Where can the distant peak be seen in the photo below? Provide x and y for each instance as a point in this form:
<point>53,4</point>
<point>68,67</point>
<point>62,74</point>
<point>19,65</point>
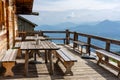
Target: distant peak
<point>106,21</point>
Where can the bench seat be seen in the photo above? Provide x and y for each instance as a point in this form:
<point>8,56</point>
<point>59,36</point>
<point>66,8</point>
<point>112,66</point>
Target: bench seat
<point>103,53</point>
<point>80,43</point>
<point>66,59</point>
<point>8,61</point>
<point>17,46</point>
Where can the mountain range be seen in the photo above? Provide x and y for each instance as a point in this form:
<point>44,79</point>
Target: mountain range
<point>104,28</point>
<point>61,26</point>
<point>106,24</point>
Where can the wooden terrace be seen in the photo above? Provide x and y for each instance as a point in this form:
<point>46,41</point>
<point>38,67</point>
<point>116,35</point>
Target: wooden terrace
<point>83,69</point>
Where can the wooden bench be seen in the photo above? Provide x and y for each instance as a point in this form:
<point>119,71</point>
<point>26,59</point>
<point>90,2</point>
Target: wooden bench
<point>82,44</point>
<point>17,46</point>
<point>8,60</point>
<point>66,59</point>
<point>102,53</point>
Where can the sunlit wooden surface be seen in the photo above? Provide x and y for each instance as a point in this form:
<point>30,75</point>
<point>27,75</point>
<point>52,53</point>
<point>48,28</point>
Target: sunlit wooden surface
<point>84,69</point>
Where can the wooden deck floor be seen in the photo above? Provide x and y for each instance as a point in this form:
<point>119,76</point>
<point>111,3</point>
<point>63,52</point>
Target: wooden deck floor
<point>84,69</point>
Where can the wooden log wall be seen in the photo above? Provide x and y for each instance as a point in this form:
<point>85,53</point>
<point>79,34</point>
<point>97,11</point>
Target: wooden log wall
<point>9,24</point>
<point>3,31</point>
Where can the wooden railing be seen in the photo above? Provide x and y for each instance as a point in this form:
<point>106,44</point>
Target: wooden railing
<point>70,36</point>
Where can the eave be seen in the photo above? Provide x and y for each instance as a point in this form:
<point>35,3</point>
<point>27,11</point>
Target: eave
<point>24,6</point>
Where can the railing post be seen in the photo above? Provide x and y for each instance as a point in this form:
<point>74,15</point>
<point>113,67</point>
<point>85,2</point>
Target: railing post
<point>67,37</point>
<point>75,39</point>
<point>41,33</point>
<point>107,49</point>
<point>88,47</point>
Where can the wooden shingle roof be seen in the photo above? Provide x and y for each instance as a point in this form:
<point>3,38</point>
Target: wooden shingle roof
<point>24,6</point>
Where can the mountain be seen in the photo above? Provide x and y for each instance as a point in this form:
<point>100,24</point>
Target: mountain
<point>61,26</point>
<point>105,25</point>
<point>66,25</point>
<point>104,28</point>
<point>108,23</point>
<point>45,27</point>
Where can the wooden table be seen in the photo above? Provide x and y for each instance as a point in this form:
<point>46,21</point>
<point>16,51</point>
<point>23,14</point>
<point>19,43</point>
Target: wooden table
<point>32,38</point>
<point>18,39</point>
<point>43,45</point>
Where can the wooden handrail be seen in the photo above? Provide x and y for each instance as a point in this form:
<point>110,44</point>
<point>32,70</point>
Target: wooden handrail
<point>75,37</point>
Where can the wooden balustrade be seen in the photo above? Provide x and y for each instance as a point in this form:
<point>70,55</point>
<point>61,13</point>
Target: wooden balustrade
<point>67,38</point>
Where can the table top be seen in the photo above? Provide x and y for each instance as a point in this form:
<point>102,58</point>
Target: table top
<point>32,38</point>
<point>42,45</point>
<point>18,38</point>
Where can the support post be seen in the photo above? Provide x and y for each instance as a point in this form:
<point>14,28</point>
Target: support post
<point>67,37</point>
<point>107,49</point>
<point>75,39</point>
<point>7,22</point>
<point>88,47</point>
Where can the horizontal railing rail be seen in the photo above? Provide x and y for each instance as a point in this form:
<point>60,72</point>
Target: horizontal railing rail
<point>70,36</point>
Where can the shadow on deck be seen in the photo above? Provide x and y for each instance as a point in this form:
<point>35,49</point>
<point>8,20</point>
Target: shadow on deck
<point>84,69</point>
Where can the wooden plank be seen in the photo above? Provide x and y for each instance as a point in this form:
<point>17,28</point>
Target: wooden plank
<point>18,39</point>
<point>10,55</point>
<point>44,44</point>
<point>2,53</point>
<point>7,55</point>
<point>80,43</point>
<point>13,55</point>
<point>111,55</point>
<point>68,55</point>
<point>39,46</point>
<point>50,44</point>
<point>61,54</point>
<point>17,45</point>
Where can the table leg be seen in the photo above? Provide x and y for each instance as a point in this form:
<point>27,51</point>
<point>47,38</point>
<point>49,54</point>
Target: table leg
<point>35,55</point>
<point>81,49</point>
<point>26,62</point>
<point>46,56</point>
<point>51,63</point>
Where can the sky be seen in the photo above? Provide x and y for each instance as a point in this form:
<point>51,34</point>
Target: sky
<point>76,11</point>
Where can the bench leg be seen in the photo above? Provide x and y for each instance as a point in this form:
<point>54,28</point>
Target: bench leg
<point>100,56</point>
<point>119,67</point>
<point>57,60</point>
<point>68,66</point>
<point>81,50</point>
<point>50,58</point>
<point>8,66</point>
<point>19,53</point>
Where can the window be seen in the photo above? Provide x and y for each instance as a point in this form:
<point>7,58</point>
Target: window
<point>2,27</point>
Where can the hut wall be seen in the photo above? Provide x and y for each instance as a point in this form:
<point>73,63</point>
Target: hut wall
<point>8,24</point>
<point>3,31</point>
<point>24,25</point>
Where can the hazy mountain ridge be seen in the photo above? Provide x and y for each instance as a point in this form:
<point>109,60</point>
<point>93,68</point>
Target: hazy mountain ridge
<point>104,28</point>
<point>61,26</point>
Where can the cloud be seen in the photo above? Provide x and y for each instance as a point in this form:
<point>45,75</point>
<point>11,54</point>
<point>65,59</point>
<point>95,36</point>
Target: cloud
<point>70,16</point>
<point>77,11</point>
<point>61,5</point>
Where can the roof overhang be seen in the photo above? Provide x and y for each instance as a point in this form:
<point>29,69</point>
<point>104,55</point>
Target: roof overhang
<point>26,20</point>
<point>24,6</point>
